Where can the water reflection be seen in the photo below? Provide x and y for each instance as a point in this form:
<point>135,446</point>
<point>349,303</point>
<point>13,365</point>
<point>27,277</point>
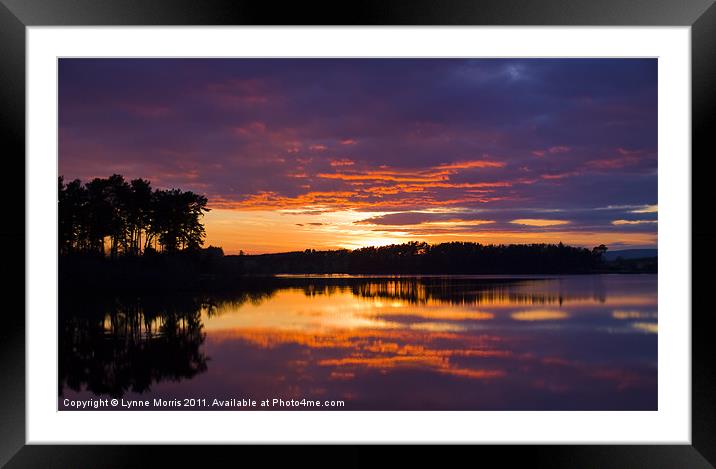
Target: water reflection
<point>586,342</point>
<point>127,345</point>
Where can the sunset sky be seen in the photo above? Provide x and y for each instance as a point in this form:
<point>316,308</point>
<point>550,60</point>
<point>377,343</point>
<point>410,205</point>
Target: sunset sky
<point>329,153</point>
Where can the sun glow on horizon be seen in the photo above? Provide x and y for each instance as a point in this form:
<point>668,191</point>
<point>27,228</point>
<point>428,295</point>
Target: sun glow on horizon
<point>263,232</point>
<point>373,242</point>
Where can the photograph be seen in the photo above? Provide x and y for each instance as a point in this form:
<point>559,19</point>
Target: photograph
<point>357,234</point>
<point>474,227</point>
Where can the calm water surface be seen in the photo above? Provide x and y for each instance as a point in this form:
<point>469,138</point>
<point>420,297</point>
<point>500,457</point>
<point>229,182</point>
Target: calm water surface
<point>418,343</point>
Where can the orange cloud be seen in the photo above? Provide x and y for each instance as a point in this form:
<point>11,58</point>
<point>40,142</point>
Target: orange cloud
<point>472,164</point>
<point>633,222</point>
<point>560,175</point>
<point>539,315</point>
<point>397,176</point>
<point>438,173</point>
<point>646,209</point>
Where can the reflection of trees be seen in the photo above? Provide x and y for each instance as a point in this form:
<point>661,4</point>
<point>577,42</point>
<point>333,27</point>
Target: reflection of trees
<point>235,300</point>
<point>112,347</point>
<point>116,345</point>
<point>454,291</point>
<point>421,292</point>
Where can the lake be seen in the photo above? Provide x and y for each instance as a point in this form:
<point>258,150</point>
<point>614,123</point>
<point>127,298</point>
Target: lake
<point>370,343</point>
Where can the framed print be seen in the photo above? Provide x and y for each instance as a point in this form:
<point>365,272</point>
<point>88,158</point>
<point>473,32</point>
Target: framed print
<point>416,224</point>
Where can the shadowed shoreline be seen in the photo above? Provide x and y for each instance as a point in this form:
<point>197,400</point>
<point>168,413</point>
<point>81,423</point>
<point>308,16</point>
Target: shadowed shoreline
<point>208,269</point>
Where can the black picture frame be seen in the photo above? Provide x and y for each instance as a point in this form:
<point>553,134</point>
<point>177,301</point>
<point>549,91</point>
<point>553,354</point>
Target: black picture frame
<point>16,15</point>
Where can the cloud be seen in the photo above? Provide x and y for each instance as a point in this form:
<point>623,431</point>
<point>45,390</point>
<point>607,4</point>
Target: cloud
<point>238,130</point>
<point>560,175</point>
<point>342,162</point>
<point>646,209</point>
<point>538,222</point>
<point>539,315</point>
<point>559,149</point>
<point>472,164</point>
<point>552,150</point>
<point>633,222</point>
<point>423,218</point>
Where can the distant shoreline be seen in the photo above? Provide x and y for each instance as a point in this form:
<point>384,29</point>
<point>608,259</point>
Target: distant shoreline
<point>208,269</point>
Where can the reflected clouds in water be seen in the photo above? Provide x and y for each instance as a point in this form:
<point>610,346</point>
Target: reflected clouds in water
<point>582,342</point>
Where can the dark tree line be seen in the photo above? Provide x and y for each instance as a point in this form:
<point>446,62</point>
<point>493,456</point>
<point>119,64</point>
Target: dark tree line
<point>423,258</point>
<point>113,216</point>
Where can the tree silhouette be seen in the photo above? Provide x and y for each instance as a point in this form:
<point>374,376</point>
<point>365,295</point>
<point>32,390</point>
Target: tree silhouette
<point>599,251</point>
<point>421,258</point>
<point>109,216</point>
<point>139,214</point>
